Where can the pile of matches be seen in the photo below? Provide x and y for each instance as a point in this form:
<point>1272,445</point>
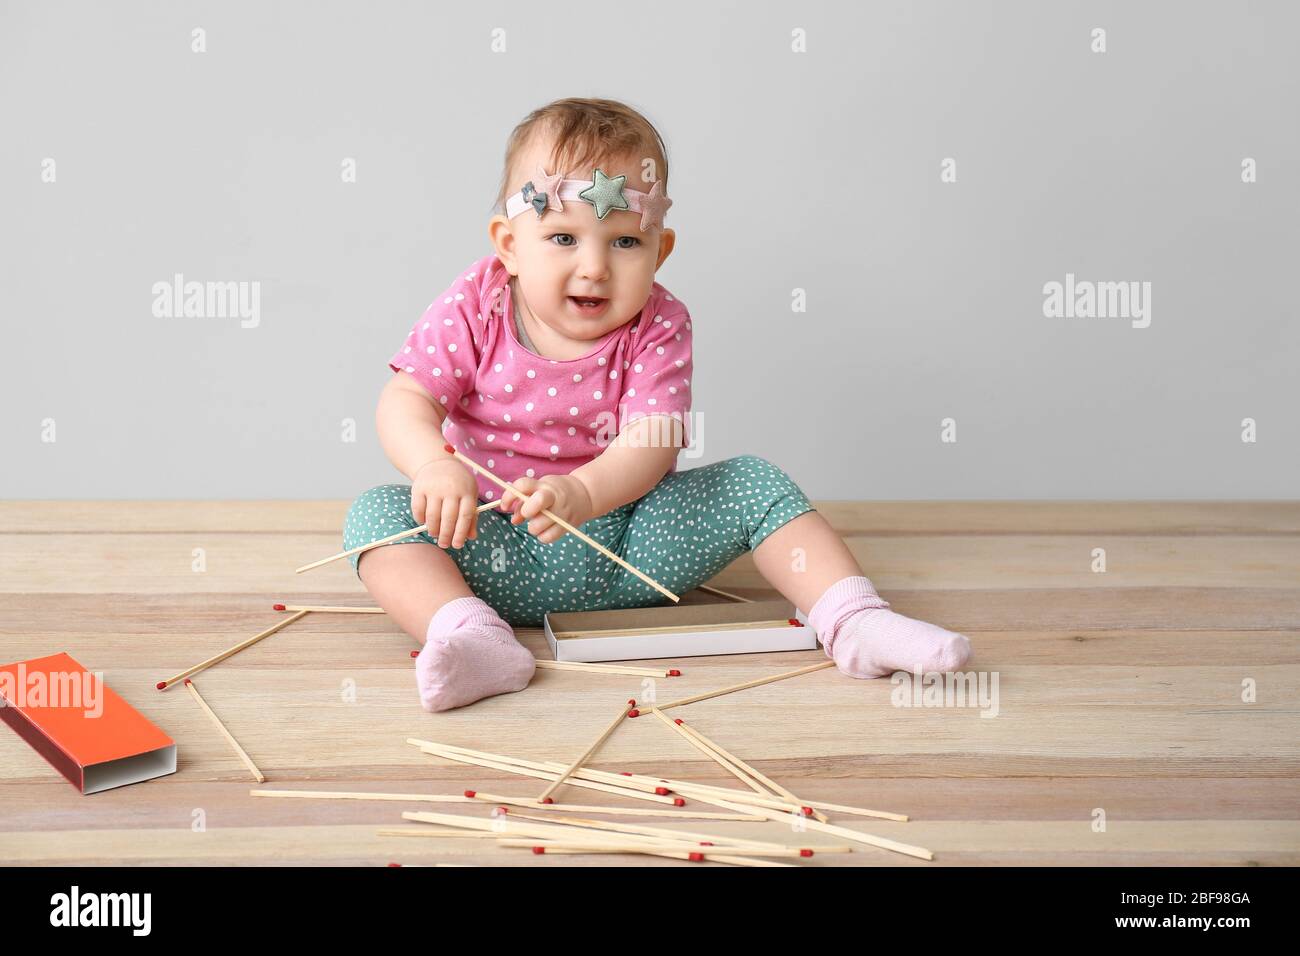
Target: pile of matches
<point>541,825</point>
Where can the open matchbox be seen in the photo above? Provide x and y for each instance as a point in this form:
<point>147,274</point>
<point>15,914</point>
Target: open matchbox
<point>87,733</point>
<point>697,630</point>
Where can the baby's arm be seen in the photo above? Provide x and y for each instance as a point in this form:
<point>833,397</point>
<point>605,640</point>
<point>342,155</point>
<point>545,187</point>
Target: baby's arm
<point>409,424</point>
<point>632,464</point>
<point>443,491</point>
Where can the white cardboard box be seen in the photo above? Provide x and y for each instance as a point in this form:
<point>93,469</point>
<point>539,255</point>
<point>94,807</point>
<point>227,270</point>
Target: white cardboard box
<point>701,637</point>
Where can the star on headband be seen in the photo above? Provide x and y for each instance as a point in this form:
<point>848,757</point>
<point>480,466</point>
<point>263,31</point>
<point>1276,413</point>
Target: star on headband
<point>653,206</point>
<point>605,193</point>
<point>543,192</point>
<point>546,191</point>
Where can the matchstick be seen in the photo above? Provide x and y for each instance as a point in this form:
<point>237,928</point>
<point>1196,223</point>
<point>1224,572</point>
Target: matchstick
<point>692,855</point>
<point>438,834</point>
<point>770,784</point>
<point>613,811</point>
<point>547,769</point>
<point>355,795</point>
<point>695,853</point>
<point>664,785</point>
<point>505,827</point>
<point>645,792</point>
<point>418,866</point>
<point>679,628</point>
<point>164,684</point>
<point>422,529</point>
<point>607,668</point>
<point>502,827</point>
<point>248,761</point>
<point>656,789</point>
<point>745,686</point>
<point>703,748</point>
<point>328,608</point>
<point>478,796</point>
<point>721,593</point>
<point>660,834</point>
<point>921,853</point>
<point>598,778</point>
<point>642,787</point>
<point>613,725</point>
<point>505,485</point>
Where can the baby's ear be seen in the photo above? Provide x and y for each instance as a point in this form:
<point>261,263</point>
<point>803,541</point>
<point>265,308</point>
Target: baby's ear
<point>667,239</point>
<point>503,241</point>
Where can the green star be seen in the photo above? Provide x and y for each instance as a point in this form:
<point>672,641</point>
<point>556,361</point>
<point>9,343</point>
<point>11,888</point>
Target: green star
<point>605,194</point>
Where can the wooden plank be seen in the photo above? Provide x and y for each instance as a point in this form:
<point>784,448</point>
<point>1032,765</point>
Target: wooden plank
<point>265,563</point>
<point>987,562</point>
<point>1125,842</point>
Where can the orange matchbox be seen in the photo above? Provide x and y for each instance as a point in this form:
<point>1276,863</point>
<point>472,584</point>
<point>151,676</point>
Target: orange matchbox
<point>87,733</point>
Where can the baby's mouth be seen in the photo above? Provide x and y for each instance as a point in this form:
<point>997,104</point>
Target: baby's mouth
<point>588,304</point>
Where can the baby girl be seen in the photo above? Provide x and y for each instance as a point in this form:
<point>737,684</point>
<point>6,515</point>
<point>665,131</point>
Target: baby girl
<point>558,363</point>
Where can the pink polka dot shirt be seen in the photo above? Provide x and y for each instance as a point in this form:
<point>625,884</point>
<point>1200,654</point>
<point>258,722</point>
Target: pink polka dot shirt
<point>520,414</point>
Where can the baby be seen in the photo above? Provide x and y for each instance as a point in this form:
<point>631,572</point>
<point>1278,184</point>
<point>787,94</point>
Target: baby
<point>559,364</point>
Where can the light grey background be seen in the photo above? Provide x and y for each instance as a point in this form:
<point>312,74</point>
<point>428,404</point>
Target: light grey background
<point>817,170</point>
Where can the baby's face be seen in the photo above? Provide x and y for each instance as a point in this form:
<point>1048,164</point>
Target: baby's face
<point>571,254</point>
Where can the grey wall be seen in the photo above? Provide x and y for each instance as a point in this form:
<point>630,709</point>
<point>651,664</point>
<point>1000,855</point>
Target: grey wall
<point>817,170</point>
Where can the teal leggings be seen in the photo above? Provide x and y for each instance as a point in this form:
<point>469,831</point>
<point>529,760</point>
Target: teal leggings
<point>681,533</point>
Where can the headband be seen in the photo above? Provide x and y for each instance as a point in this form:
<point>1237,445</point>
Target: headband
<point>549,192</point>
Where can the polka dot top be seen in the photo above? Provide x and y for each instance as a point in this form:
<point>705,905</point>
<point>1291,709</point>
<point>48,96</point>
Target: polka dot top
<point>520,414</point>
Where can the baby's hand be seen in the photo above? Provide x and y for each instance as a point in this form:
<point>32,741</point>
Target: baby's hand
<point>564,495</point>
<point>444,493</point>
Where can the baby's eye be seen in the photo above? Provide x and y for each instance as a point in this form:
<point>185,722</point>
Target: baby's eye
<point>635,242</point>
<point>562,235</point>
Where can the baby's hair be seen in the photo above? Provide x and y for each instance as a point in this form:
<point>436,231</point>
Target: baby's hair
<point>584,132</point>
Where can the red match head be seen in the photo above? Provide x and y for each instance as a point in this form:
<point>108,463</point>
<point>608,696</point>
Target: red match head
<point>539,850</point>
<point>161,685</point>
<point>504,809</point>
<point>677,720</point>
<point>394,864</point>
<point>695,857</point>
<point>415,653</point>
<point>807,811</point>
<point>280,607</point>
<point>625,773</point>
<point>679,802</point>
<point>187,682</point>
<point>805,852</point>
<point>632,701</point>
<point>634,713</point>
<point>471,793</point>
<point>662,791</point>
<point>794,622</point>
<point>674,673</point>
<point>549,800</point>
<point>448,449</point>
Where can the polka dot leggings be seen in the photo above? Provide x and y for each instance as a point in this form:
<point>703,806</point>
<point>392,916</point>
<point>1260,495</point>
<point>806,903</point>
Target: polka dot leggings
<point>681,533</point>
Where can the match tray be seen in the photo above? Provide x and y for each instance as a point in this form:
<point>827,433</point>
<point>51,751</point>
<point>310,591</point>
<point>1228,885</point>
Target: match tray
<point>698,630</point>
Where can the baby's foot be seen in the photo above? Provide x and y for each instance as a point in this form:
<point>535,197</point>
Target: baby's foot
<point>866,639</point>
<point>470,653</point>
<point>877,641</point>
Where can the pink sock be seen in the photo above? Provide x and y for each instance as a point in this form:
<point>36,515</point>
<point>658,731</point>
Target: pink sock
<point>469,653</point>
<point>865,639</point>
